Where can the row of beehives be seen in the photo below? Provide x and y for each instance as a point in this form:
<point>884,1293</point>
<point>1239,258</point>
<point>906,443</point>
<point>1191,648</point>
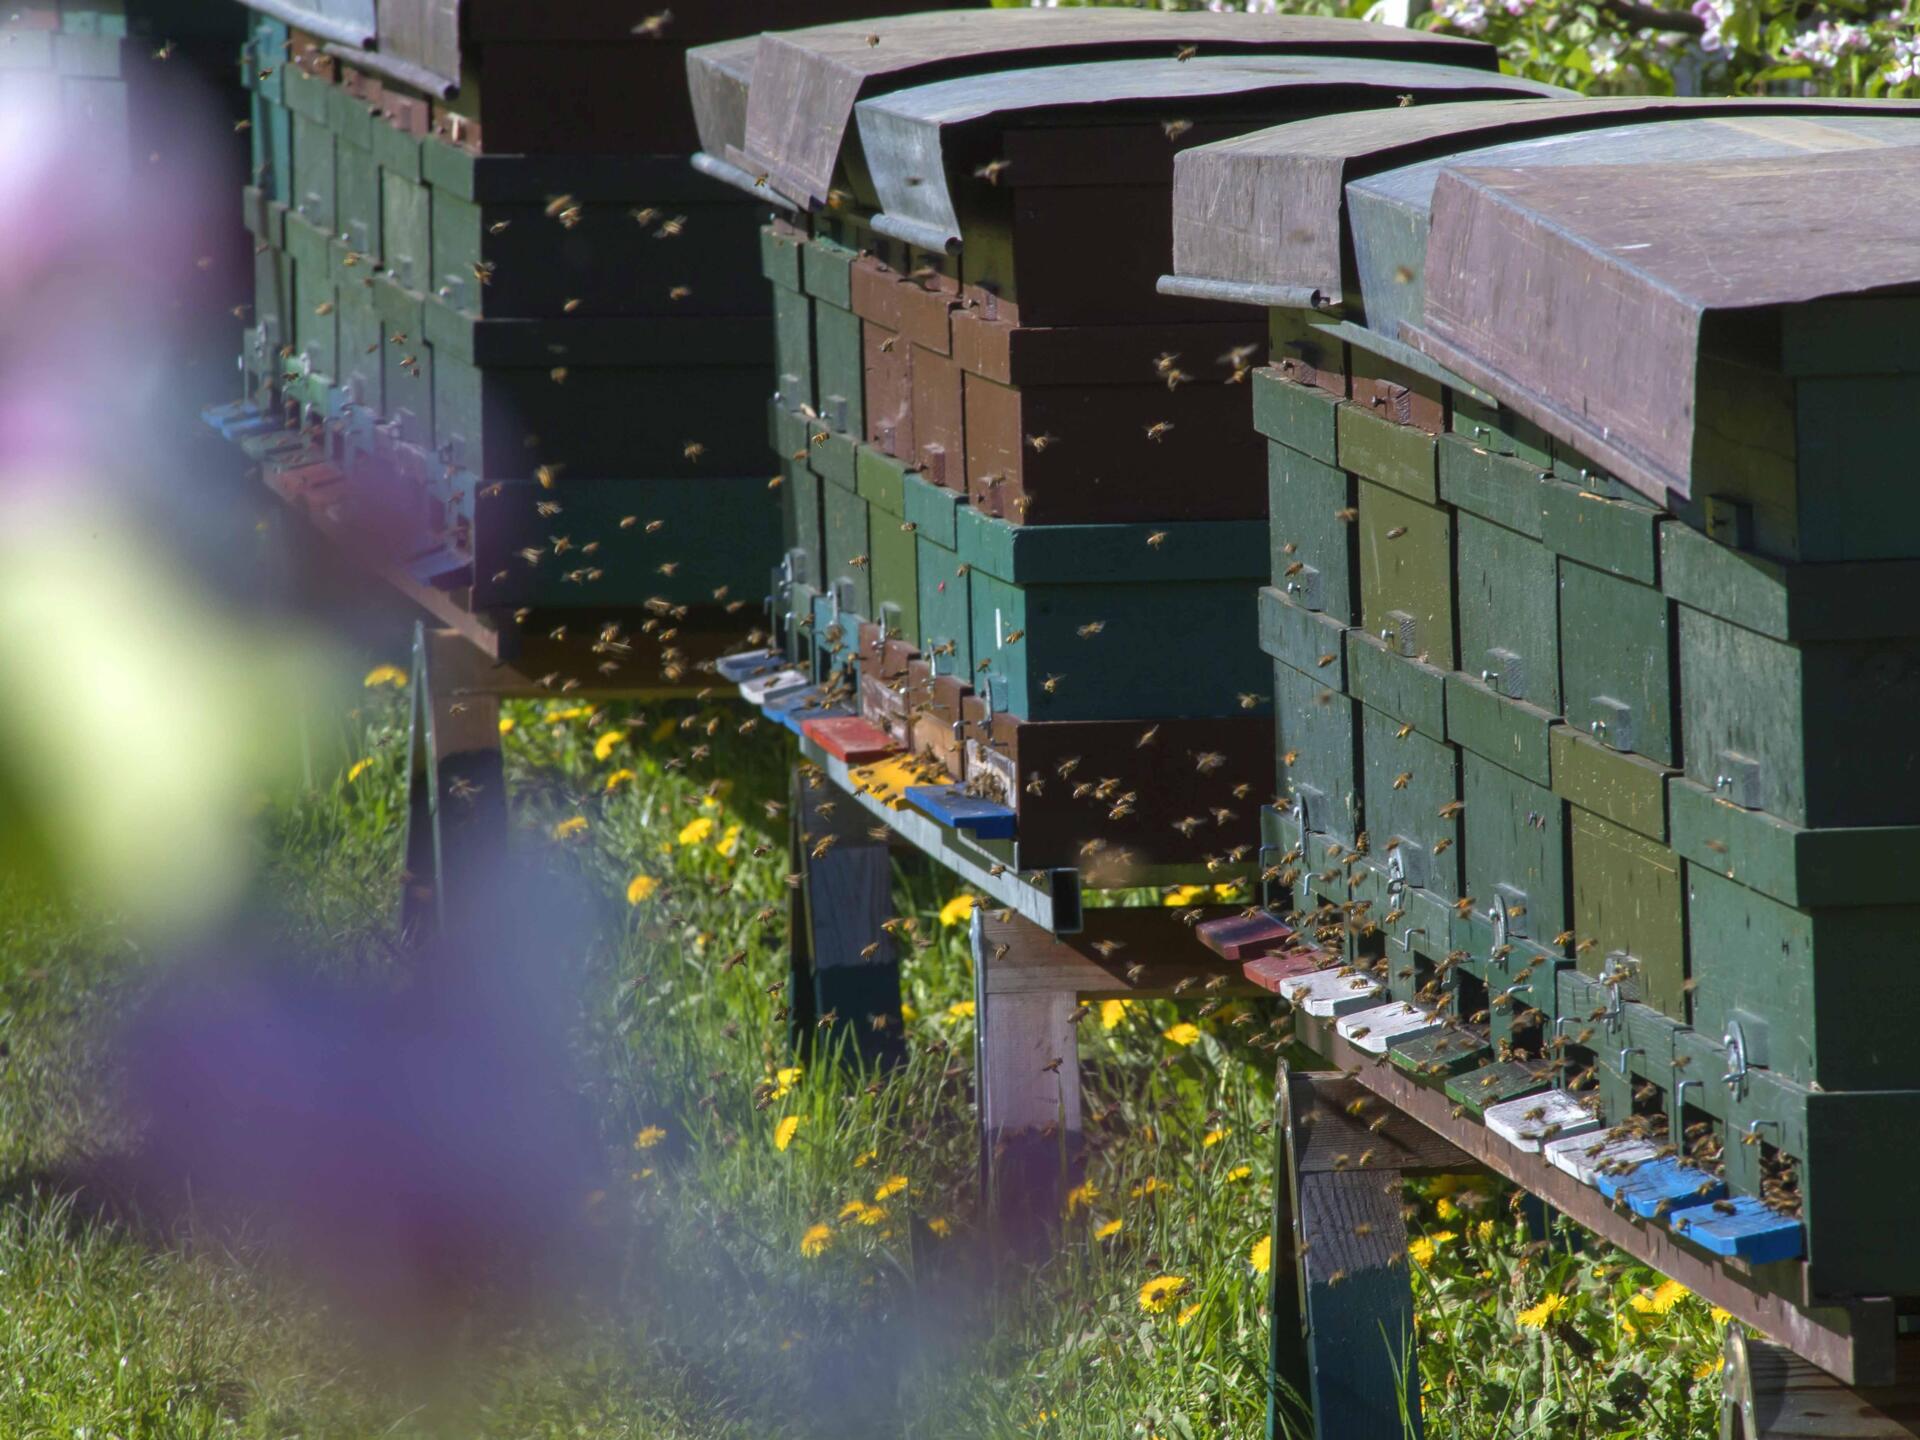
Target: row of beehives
<point>1585,769</point>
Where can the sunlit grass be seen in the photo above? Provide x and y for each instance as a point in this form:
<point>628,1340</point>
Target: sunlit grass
<point>843,1284</point>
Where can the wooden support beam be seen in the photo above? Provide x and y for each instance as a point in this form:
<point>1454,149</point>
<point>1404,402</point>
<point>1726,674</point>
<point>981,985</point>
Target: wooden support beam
<point>851,976</point>
<point>1769,1393</point>
<point>1120,953</point>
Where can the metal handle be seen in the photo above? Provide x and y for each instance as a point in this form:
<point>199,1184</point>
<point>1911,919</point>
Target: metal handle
<point>1680,1093</point>
<point>1723,782</point>
<point>1595,727</point>
<point>1410,932</point>
<point>1626,1050</point>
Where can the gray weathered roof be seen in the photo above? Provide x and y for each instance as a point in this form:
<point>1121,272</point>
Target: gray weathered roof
<point>1577,295</point>
<point>806,82</point>
<point>902,134</point>
<point>718,77</point>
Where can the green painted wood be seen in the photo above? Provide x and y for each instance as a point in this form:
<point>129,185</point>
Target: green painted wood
<point>1196,550</point>
<point>1475,1090</point>
<point>406,366</point>
<point>807,505</point>
<point>316,336</point>
<point>1509,602</point>
<point>946,616</point>
<point>1432,1059</point>
<point>1841,601</point>
<point>1825,996</point>
<point>1398,456</point>
<point>845,521</point>
<point>1317,745</point>
<point>350,119</point>
<point>1629,790</point>
<point>1855,865</point>
<point>267,44</point>
<point>1820,734</point>
<point>826,272</point>
<point>780,258</point>
<point>308,97</point>
<point>361,340</point>
<point>1308,640</point>
<point>896,572</point>
<point>932,510</point>
<point>1509,733</point>
<point>1627,899</point>
<point>1406,573</point>
<point>1515,835</point>
<point>833,455</point>
<point>793,348</point>
<point>359,201</point>
<point>1411,784</point>
<point>314,179</point>
<point>1297,416</point>
<point>398,153</point>
<point>1310,512</point>
<point>839,370</point>
<point>1409,691</point>
<point>1501,432</point>
<point>1614,535</point>
<point>1495,487</point>
<point>271,134</point>
<point>1855,1188</point>
<point>881,481</point>
<point>1616,662</point>
<point>406,229</point>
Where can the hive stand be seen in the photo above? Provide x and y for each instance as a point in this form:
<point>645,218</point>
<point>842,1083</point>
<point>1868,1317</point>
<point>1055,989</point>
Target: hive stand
<point>1769,1393</point>
<point>1342,1301</point>
<point>457,825</point>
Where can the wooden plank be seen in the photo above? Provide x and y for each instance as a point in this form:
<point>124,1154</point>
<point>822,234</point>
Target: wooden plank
<point>1770,1393</point>
<point>1119,953</point>
<point>848,888</point>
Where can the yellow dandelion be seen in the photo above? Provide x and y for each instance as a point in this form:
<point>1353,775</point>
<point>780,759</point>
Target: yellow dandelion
<point>1422,1250</point>
<point>1185,1033</point>
<point>865,1158</point>
<point>1446,1209</point>
<point>1707,1369</point>
<point>1181,896</point>
<point>385,675</point>
<point>816,1240</point>
<point>506,724</point>
<point>1669,1294</point>
<point>1158,1293</point>
<point>1186,1316</point>
<point>649,1137</point>
<point>1719,1316</point>
<point>570,712</point>
<point>604,746</point>
<point>1213,1138</point>
<point>569,827</point>
<point>1108,1229</point>
<point>1261,1256</point>
<point>960,1010</point>
<point>1239,1172</point>
<point>1112,1012</point>
<point>1535,1317</point>
<point>1144,1188</point>
<point>1483,1232</point>
<point>907,1011</point>
<point>1081,1197</point>
<point>784,1132</point>
<point>640,889</point>
<point>957,911</point>
<point>1228,891</point>
<point>853,1210</point>
<point>709,802</point>
<point>940,1226</point>
<point>729,842</point>
<point>357,769</point>
<point>890,1187</point>
<point>872,1215</point>
<point>784,1079</point>
<point>620,777</point>
<point>696,830</point>
<point>1441,1237</point>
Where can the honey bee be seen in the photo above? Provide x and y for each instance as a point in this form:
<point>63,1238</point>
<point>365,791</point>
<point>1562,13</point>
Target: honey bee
<point>324,308</point>
<point>693,450</point>
<point>1400,780</point>
<point>1039,443</point>
<point>558,374</point>
<point>646,217</point>
<point>886,345</point>
<point>1250,701</point>
<point>1091,628</point>
<point>672,229</point>
<point>1186,52</point>
<point>992,171</point>
<point>1396,532</point>
<point>1176,128</point>
<point>483,271</point>
<point>1147,738</point>
<point>680,292</point>
<point>165,52</point>
<point>1156,539</point>
<point>499,227</point>
<point>1328,659</point>
<point>1452,808</point>
<point>548,476</point>
<point>654,26</point>
<point>1158,430</point>
<point>570,306</point>
<point>1347,515</point>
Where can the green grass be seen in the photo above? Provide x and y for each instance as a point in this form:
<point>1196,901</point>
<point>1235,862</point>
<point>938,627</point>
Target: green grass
<point>709,1320</point>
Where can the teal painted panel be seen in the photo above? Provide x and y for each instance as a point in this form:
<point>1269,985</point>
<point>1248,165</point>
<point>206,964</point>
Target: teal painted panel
<point>1410,692</point>
<point>1317,743</point>
<point>1411,784</point>
<point>1113,554</point>
<point>1509,733</point>
<point>1856,499</point>
<point>845,518</point>
<point>1616,659</point>
<point>1853,865</point>
<point>793,348</point>
<point>933,511</point>
<point>807,507</point>
<point>1508,594</point>
<point>839,368</point>
<point>1310,512</point>
<point>360,345</point>
<point>1495,487</point>
<point>1516,843</point>
<point>945,609</point>
<point>359,199</point>
<point>406,230</point>
<point>1616,535</point>
<point>1308,640</point>
<point>314,179</point>
<point>1297,416</point>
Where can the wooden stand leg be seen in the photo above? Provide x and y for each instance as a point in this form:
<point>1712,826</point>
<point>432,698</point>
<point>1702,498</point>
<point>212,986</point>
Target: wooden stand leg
<point>1769,1393</point>
<point>1027,1078</point>
<point>846,965</point>
<point>1342,1300</point>
<point>457,799</point>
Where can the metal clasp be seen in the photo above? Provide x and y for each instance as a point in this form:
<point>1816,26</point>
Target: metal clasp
<point>1735,1041</point>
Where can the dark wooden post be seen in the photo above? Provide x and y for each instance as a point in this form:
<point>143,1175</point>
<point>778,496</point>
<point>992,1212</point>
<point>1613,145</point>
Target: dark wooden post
<point>1343,1344</point>
<point>457,834</point>
<point>846,964</point>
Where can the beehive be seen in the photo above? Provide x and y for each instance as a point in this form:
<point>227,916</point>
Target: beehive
<point>1575,530</point>
<point>1022,507</point>
<point>490,289</point>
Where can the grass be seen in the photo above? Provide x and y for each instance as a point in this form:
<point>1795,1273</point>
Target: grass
<point>841,1284</point>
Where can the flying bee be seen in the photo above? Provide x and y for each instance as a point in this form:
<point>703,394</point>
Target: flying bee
<point>680,292</point>
<point>1091,628</point>
<point>558,374</point>
<point>1176,128</point>
<point>483,271</point>
<point>1328,659</point>
<point>645,217</point>
<point>570,306</point>
<point>1452,808</point>
<point>693,449</point>
<point>1186,52</point>
<point>886,345</point>
<point>1249,701</point>
<point>1396,532</point>
<point>1146,738</point>
<point>654,26</point>
<point>1347,515</point>
<point>1158,430</point>
<point>992,171</point>
<point>1400,780</point>
<point>1039,443</point>
<point>1156,539</point>
<point>672,229</point>
<point>1052,683</point>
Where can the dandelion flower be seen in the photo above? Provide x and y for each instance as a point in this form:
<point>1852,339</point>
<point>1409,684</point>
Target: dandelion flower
<point>1422,1250</point>
<point>1261,1256</point>
<point>1719,1316</point>
<point>940,1226</point>
<point>1185,1033</point>
<point>1446,1209</point>
<point>864,1158</point>
<point>1186,1316</point>
<point>783,1133</point>
<point>696,830</point>
<point>1670,1294</point>
<point>506,724</point>
<point>357,769</point>
<point>1108,1229</point>
<point>649,1137</point>
<point>960,1010</point>
<point>1536,1317</point>
<point>1158,1293</point>
<point>1112,1012</point>
<point>890,1187</point>
<point>1181,896</point>
<point>566,829</point>
<point>1239,1172</point>
<point>1707,1369</point>
<point>1441,1237</point>
<point>1144,1188</point>
<point>1483,1232</point>
<point>563,715</point>
<point>816,1240</point>
<point>729,842</point>
<point>640,889</point>
<point>603,747</point>
<point>907,1011</point>
<point>853,1209</point>
<point>1213,1138</point>
<point>1081,1197</point>
<point>385,675</point>
<point>620,777</point>
<point>784,1079</point>
<point>872,1215</point>
<point>957,911</point>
